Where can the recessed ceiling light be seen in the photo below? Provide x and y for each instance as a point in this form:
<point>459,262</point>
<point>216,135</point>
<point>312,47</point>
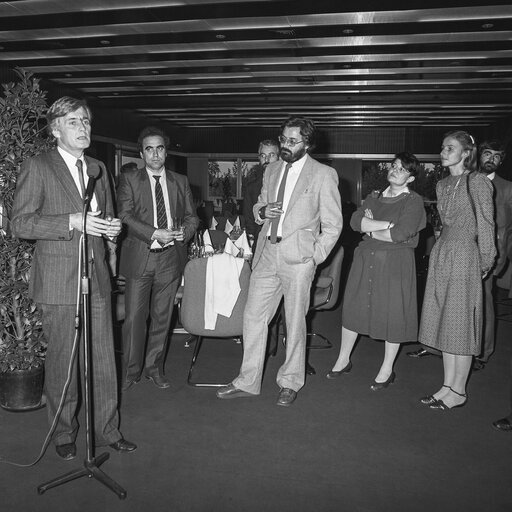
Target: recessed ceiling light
<point>105,42</point>
<point>347,31</point>
<point>68,75</point>
<point>220,36</point>
<point>487,26</point>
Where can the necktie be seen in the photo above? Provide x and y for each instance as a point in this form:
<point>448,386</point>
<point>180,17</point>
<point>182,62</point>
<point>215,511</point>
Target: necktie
<point>161,216</point>
<point>80,167</point>
<point>280,197</point>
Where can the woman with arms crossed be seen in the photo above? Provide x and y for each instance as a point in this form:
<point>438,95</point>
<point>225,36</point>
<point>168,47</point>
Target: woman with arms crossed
<point>380,296</point>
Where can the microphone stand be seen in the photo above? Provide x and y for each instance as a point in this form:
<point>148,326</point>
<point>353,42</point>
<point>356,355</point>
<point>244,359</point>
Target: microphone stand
<point>92,464</point>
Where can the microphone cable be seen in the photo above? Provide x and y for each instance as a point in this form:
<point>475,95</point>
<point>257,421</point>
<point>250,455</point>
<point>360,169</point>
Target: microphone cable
<point>67,383</point>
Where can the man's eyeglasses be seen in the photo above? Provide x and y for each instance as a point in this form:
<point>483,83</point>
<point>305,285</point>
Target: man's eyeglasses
<point>288,142</point>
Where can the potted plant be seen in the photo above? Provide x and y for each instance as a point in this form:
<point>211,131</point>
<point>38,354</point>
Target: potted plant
<point>22,344</point>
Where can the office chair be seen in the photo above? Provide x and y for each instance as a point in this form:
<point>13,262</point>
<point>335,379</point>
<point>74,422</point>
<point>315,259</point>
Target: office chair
<point>192,312</point>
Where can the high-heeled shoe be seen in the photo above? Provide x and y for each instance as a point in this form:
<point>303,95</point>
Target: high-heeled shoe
<point>431,399</point>
<point>335,375</point>
<point>443,407</point>
<point>376,386</point>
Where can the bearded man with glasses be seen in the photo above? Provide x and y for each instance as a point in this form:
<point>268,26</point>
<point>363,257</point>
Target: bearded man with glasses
<point>492,154</point>
<point>299,209</point>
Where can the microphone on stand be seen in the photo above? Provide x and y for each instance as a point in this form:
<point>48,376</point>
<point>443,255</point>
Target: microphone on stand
<point>93,171</point>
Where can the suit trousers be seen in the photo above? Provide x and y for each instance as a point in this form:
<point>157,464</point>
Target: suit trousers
<point>271,279</point>
<point>152,294</point>
<point>488,340</point>
<point>59,329</point>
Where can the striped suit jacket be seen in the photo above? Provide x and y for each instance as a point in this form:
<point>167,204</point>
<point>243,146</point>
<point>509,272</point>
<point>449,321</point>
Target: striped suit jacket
<point>45,196</point>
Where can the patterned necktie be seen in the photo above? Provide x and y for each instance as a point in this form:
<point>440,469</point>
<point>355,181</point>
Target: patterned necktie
<point>81,176</point>
<point>280,197</point>
<point>161,216</point>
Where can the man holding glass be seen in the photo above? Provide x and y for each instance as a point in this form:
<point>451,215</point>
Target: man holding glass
<point>155,204</point>
<point>299,208</point>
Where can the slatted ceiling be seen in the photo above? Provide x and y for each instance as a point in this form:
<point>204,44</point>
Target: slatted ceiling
<point>204,63</point>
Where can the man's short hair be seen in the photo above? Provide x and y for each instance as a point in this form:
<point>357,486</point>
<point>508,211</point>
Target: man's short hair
<point>62,107</point>
<point>493,145</point>
<point>152,131</point>
<point>306,126</point>
<point>268,142</point>
<point>128,166</point>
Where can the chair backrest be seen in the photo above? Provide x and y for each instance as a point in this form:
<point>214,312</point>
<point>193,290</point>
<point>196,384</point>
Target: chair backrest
<point>218,238</point>
<point>192,304</point>
<point>326,285</point>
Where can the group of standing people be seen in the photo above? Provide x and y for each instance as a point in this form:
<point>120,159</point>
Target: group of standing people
<point>297,220</point>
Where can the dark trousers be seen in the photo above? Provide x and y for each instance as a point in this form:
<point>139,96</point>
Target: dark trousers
<point>59,328</point>
<point>488,340</point>
<point>152,294</point>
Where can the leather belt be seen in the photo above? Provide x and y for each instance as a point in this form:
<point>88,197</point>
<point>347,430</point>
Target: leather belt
<point>161,249</point>
<point>278,239</point>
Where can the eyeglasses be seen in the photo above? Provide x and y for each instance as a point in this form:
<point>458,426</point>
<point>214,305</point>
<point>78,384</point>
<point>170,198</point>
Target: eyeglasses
<point>288,142</point>
<point>267,156</point>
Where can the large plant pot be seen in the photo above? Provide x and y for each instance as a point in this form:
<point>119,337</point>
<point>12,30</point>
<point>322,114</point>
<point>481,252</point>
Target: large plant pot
<point>22,390</point>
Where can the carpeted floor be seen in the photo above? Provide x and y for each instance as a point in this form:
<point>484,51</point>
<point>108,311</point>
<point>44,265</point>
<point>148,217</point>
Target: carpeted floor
<point>340,447</point>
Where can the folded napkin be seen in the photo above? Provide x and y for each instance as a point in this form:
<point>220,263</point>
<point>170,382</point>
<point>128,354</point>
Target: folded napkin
<point>214,223</point>
<point>228,228</point>
<point>231,248</point>
<point>222,287</point>
<point>207,241</point>
<point>243,244</point>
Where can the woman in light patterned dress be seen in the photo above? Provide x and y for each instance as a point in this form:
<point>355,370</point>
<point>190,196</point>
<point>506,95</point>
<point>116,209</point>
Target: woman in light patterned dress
<point>452,309</point>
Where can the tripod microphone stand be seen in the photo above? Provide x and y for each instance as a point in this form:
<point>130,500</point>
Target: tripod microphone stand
<point>92,464</point>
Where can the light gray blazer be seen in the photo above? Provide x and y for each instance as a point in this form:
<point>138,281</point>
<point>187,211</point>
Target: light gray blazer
<point>313,220</point>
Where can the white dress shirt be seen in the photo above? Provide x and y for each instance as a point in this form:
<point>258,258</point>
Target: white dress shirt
<point>163,183</point>
<point>70,161</point>
<point>291,181</point>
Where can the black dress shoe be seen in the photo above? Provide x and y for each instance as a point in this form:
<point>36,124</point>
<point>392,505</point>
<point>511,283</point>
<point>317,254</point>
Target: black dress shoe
<point>66,451</point>
<point>335,375</point>
<point>310,370</point>
<point>422,352</point>
<point>478,365</point>
<point>286,397</point>
<point>229,391</point>
<point>376,386</point>
<point>123,446</point>
<point>127,385</point>
<point>503,425</point>
<point>159,380</point>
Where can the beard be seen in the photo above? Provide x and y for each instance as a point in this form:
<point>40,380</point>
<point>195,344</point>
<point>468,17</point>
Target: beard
<point>488,167</point>
<point>289,156</point>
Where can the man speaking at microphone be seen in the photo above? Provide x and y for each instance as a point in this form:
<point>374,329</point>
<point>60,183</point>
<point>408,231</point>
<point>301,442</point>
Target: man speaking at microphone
<point>48,206</point>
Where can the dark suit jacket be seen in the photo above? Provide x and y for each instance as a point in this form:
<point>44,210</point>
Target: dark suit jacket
<point>503,214</point>
<point>45,196</point>
<point>250,194</point>
<point>135,209</point>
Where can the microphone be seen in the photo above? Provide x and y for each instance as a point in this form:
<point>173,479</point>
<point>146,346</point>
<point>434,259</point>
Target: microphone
<point>93,171</point>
